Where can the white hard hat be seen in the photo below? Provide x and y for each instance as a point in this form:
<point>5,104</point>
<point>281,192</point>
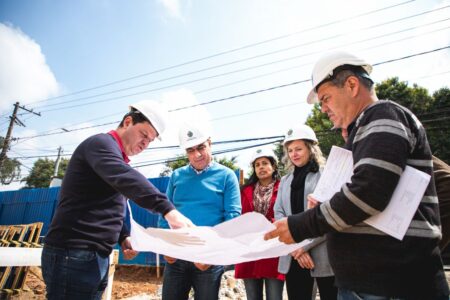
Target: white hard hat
<point>263,153</point>
<point>191,135</point>
<point>155,113</point>
<point>300,132</point>
<point>325,66</point>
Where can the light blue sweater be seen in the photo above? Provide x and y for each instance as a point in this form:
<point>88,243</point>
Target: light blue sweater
<point>208,198</point>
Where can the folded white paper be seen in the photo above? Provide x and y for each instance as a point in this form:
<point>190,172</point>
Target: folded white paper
<point>238,240</point>
<point>396,217</point>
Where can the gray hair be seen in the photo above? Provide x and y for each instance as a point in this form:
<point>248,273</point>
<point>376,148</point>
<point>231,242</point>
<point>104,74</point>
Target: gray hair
<point>340,78</point>
<point>314,152</point>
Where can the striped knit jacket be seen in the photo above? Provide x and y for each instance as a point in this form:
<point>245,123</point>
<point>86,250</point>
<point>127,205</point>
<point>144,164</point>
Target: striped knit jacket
<point>383,139</point>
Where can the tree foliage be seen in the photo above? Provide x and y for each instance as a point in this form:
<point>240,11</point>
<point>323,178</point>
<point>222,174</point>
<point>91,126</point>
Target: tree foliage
<point>42,172</point>
<point>279,153</point>
<point>182,161</point>
<point>10,169</point>
<point>415,98</point>
<point>432,111</point>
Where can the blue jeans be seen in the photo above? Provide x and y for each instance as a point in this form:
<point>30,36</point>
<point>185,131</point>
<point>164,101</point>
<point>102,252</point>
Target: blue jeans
<point>254,288</point>
<point>74,273</point>
<point>344,294</point>
<point>180,276</point>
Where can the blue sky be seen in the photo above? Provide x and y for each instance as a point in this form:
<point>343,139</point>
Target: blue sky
<point>54,48</point>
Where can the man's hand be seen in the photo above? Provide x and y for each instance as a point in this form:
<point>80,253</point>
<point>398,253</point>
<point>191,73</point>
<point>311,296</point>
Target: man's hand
<point>202,267</point>
<point>281,231</point>
<point>127,250</point>
<point>311,202</point>
<point>177,220</point>
<point>305,261</point>
<point>170,260</point>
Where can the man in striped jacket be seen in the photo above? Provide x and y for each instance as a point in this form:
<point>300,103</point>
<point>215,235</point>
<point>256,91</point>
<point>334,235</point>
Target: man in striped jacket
<point>384,138</point>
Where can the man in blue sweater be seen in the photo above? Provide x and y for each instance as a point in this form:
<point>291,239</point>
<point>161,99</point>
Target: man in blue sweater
<point>89,218</point>
<point>384,138</point>
<point>208,194</point>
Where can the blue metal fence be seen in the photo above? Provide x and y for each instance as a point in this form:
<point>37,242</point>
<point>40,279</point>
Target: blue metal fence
<point>38,205</point>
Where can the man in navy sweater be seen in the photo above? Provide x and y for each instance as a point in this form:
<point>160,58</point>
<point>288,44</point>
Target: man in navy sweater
<point>89,218</point>
<point>384,138</point>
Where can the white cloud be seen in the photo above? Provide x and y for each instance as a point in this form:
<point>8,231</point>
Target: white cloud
<point>173,8</point>
<point>24,73</point>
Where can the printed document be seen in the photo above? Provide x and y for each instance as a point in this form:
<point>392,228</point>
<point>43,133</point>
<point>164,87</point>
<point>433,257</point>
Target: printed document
<point>238,240</point>
<point>397,216</point>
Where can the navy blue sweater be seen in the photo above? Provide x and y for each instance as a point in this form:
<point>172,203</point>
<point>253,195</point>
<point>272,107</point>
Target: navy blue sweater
<point>92,200</point>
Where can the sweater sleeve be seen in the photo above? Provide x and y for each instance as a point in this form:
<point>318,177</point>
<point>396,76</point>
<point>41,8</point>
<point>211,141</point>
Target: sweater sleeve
<point>278,208</point>
<point>162,223</point>
<point>232,198</point>
<point>106,160</point>
<point>381,144</point>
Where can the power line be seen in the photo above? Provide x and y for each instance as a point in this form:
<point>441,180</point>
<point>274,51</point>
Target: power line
<point>253,92</point>
<point>162,161</point>
<point>239,70</point>
<point>234,62</point>
<point>244,80</point>
<point>230,51</point>
<point>169,147</point>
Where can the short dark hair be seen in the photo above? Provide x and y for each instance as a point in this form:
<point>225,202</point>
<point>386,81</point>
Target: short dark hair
<point>254,179</point>
<point>136,117</point>
<point>341,73</point>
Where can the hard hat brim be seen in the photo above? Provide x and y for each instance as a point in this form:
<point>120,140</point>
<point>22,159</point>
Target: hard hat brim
<point>194,142</point>
<point>312,97</point>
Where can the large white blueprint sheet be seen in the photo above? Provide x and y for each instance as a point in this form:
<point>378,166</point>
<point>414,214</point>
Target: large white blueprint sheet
<point>396,217</point>
<point>238,240</point>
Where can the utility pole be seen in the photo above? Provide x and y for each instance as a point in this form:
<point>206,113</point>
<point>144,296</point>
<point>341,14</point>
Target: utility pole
<point>55,181</point>
<point>58,160</point>
<point>14,120</point>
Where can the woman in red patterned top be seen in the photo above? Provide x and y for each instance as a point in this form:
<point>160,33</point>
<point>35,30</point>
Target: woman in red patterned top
<point>259,195</point>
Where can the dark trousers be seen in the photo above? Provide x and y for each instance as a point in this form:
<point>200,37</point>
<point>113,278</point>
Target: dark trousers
<point>299,283</point>
<point>181,276</point>
<point>327,289</point>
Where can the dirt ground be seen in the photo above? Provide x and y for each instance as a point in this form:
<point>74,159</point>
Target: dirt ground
<point>128,281</point>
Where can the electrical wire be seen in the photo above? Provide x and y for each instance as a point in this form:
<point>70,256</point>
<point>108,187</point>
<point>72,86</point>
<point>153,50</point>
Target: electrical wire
<point>234,62</point>
<point>250,93</point>
<point>230,51</point>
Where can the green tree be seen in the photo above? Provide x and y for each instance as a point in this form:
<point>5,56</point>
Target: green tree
<point>172,165</point>
<point>437,123</point>
<point>415,98</point>
<point>42,172</point>
<point>10,169</point>
<point>279,153</point>
<point>182,161</point>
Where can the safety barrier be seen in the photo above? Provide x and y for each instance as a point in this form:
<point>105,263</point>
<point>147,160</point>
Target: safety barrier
<point>12,278</point>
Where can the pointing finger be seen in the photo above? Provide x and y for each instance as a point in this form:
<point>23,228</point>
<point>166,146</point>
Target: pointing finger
<point>271,234</point>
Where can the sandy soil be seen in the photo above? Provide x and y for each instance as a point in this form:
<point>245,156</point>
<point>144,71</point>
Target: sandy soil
<point>129,281</point>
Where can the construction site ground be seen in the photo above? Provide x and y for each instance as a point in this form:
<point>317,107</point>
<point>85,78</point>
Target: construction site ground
<point>135,283</point>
